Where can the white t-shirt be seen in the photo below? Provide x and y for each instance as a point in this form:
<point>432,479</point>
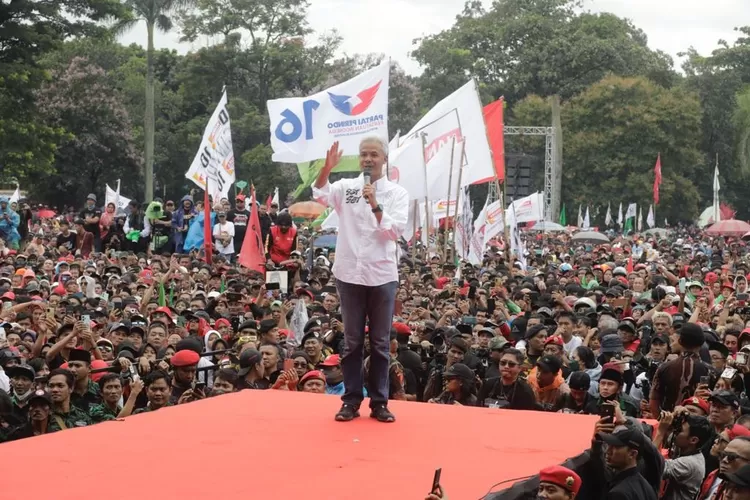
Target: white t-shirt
<point>222,230</point>
<point>571,346</point>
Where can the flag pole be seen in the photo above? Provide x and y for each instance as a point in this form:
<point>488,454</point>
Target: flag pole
<point>426,200</point>
<point>458,199</point>
<point>448,209</point>
<point>414,234</point>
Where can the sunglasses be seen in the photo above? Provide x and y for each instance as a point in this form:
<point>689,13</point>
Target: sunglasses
<point>731,457</point>
<point>300,364</point>
<point>512,364</point>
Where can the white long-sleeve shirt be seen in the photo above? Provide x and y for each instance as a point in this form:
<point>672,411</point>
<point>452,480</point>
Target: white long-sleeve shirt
<point>366,252</point>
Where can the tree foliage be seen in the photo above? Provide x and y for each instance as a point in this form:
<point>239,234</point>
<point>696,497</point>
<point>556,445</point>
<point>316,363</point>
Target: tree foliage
<point>542,47</point>
<point>98,147</point>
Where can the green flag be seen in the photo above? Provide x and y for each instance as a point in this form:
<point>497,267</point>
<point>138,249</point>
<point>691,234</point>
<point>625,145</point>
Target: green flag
<point>563,218</point>
<point>162,297</point>
<point>628,224</point>
<point>321,218</point>
<point>309,170</point>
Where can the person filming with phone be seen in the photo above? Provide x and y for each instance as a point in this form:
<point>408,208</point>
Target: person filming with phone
<point>373,212</point>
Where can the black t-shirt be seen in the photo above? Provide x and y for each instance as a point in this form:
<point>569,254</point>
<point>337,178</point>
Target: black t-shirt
<point>519,395</point>
<point>240,219</point>
<point>68,241</point>
<point>91,212</point>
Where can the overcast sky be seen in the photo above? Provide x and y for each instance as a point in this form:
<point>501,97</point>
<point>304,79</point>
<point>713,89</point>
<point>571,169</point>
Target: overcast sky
<point>390,26</point>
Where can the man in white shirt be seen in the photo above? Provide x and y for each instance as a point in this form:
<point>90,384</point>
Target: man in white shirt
<point>372,217</point>
<point>223,233</point>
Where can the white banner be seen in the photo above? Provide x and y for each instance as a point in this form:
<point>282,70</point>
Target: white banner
<point>406,168</point>
<point>15,196</point>
<point>459,115</point>
<point>112,196</point>
<point>215,158</point>
<point>494,222</point>
<point>530,208</point>
<point>631,212</point>
<point>303,128</point>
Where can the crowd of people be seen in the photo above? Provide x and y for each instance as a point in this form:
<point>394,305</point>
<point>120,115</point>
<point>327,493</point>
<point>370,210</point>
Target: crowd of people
<point>105,315</point>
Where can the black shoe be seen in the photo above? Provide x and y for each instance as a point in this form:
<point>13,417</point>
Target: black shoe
<point>382,414</point>
<point>347,413</point>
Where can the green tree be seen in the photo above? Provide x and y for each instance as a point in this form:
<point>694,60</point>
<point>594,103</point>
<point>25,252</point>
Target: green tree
<point>613,132</point>
<point>156,14</point>
<point>543,47</point>
<point>99,147</point>
<point>29,29</point>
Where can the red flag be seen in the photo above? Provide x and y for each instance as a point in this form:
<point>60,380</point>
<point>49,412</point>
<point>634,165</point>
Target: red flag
<point>207,228</point>
<point>252,255</point>
<point>657,178</point>
<point>493,121</point>
<point>629,269</point>
<point>269,200</point>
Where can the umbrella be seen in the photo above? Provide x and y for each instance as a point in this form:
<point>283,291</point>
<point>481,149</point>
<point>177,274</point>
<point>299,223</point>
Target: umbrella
<point>306,209</point>
<point>46,213</point>
<point>729,227</point>
<point>325,241</point>
<point>590,237</point>
<point>547,226</point>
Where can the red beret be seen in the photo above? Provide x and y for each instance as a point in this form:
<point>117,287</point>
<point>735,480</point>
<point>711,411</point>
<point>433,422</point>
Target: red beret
<point>737,430</point>
<point>698,402</point>
<point>556,340</point>
<point>402,328</point>
<point>561,476</point>
<point>312,374</point>
<point>186,357</point>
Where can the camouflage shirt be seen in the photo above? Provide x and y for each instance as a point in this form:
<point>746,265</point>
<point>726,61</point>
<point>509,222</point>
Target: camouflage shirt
<point>102,412</point>
<point>74,418</point>
<point>90,398</point>
<point>148,408</point>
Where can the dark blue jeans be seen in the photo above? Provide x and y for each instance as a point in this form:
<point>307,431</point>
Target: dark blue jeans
<point>372,305</point>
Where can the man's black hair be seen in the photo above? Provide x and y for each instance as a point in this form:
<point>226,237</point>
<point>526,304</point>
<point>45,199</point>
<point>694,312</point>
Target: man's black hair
<point>108,377</point>
<point>69,378</point>
<point>155,376</point>
<point>700,428</point>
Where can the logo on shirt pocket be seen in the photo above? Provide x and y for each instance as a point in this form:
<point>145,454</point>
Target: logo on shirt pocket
<point>352,196</point>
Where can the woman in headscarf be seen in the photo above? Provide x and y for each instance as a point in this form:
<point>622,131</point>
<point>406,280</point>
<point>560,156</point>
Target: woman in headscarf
<point>9,221</point>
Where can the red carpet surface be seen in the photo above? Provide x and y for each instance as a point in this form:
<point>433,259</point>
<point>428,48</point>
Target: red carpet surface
<point>280,445</point>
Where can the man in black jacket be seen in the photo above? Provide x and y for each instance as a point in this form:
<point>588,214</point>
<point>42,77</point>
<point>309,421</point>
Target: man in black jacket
<point>622,456</point>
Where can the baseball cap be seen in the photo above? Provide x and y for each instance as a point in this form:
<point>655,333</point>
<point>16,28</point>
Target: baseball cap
<point>21,371</point>
<point>498,343</point>
<point>41,395</point>
<point>549,364</point>
<point>579,381</point>
<point>632,438</point>
<point>725,398</point>
<point>740,478</point>
<point>458,370</point>
<point>332,360</point>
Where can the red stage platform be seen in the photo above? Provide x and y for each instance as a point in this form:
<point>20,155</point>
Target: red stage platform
<point>281,445</point>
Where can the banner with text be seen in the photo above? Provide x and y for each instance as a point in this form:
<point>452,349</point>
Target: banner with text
<point>459,116</point>
<point>215,158</point>
<point>303,128</point>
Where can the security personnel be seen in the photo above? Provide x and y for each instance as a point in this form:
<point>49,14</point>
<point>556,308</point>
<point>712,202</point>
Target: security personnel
<point>558,483</point>
<point>185,365</point>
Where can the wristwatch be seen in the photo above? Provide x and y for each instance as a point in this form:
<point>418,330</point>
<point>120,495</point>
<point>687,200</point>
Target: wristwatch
<point>377,209</point>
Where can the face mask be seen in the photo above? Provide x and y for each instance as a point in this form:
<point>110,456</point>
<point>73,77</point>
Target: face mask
<point>574,366</point>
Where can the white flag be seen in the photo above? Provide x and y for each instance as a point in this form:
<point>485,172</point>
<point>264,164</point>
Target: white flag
<point>619,216</point>
<point>516,245</point>
<point>494,220</point>
<point>442,170</point>
<point>303,128</point>
<point>459,115</point>
<point>650,217</point>
<point>16,195</point>
<point>640,219</point>
<point>586,220</point>
<point>406,168</point>
<point>608,217</point>
<point>112,196</point>
<point>215,157</point>
<point>464,226</point>
<point>717,188</point>
<point>275,198</point>
<point>580,216</point>
<point>632,209</point>
<point>476,252</point>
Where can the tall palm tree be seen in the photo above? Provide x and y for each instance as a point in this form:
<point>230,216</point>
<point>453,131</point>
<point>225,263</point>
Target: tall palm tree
<point>156,14</point>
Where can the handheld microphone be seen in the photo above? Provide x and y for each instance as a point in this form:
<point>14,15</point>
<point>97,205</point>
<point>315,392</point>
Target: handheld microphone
<point>367,172</point>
